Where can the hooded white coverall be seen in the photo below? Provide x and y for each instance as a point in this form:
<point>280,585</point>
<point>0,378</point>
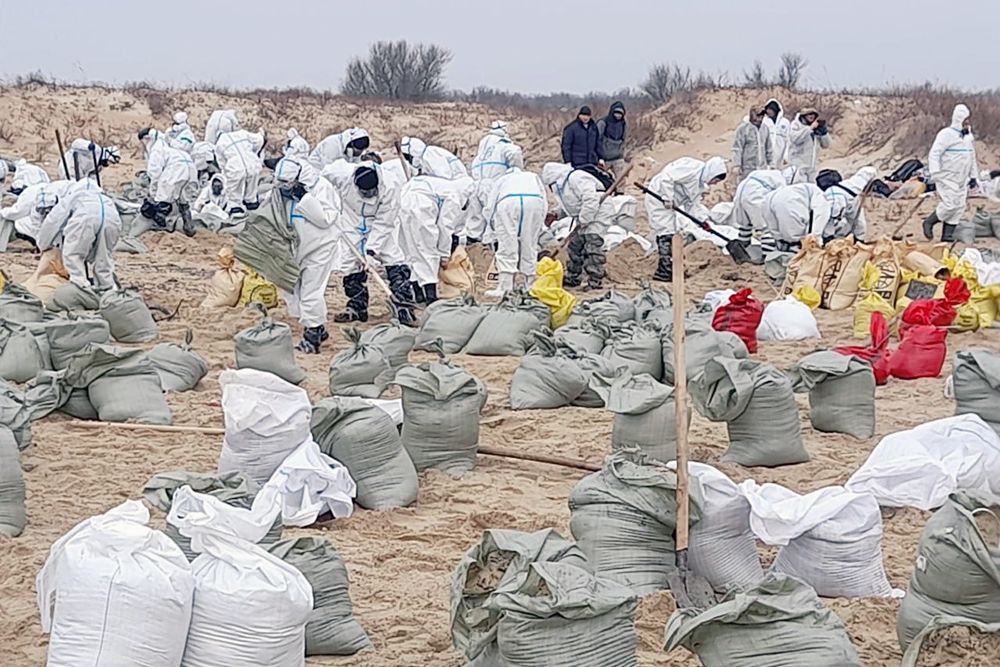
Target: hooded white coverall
<point>26,174</point>
<point>335,147</point>
<point>847,217</point>
<point>752,147</point>
<point>681,183</point>
<point>169,170</point>
<point>221,121</point>
<point>210,208</point>
<point>79,151</point>
<point>803,150</point>
<point>203,154</point>
<point>24,211</point>
<point>236,153</point>
<point>496,155</point>
<point>315,219</point>
<point>431,210</point>
<point>748,215</point>
<point>952,163</point>
<point>296,147</point>
<point>367,224</point>
<point>433,160</point>
<point>779,135</point>
<point>476,224</point>
<point>516,211</point>
<point>180,134</point>
<point>795,211</point>
<point>86,226</point>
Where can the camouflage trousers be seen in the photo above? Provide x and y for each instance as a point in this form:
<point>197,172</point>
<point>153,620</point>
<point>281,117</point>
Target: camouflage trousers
<point>586,255</point>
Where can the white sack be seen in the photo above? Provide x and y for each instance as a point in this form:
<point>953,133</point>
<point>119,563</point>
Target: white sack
<point>310,483</point>
<point>787,319</point>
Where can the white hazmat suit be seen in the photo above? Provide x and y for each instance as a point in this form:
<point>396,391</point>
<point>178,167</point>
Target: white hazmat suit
<point>430,160</point>
<point>748,203</point>
<point>80,158</point>
<point>682,183</point>
<point>795,211</point>
<point>86,226</point>
<point>496,155</point>
<point>847,217</point>
<point>27,211</point>
<point>221,121</point>
<point>779,135</point>
<point>169,169</point>
<point>346,145</point>
<point>26,174</point>
<point>180,134</point>
<point>237,154</point>
<point>952,163</point>
<point>295,146</point>
<point>516,211</point>
<point>431,211</point>
<point>803,150</point>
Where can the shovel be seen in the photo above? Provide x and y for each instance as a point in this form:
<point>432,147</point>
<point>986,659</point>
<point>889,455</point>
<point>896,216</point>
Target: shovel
<point>689,590</point>
<point>619,182</point>
<point>733,246</point>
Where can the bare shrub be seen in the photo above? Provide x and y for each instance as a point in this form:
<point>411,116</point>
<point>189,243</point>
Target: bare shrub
<point>664,81</point>
<point>791,69</point>
<point>756,78</point>
<point>398,71</point>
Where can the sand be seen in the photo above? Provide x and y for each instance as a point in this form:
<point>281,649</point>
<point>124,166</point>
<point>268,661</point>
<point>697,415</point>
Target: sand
<point>401,561</point>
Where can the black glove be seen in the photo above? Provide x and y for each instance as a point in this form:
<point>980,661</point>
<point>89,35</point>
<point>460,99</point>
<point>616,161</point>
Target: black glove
<point>973,183</point>
<point>995,174</point>
<point>370,253</point>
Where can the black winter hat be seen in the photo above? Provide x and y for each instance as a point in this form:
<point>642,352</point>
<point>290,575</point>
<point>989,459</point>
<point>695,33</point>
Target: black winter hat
<point>366,178</point>
<point>584,111</point>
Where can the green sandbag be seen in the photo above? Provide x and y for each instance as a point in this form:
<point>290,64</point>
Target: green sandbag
<point>121,384</point>
<point>331,629</point>
<point>506,329</point>
<point>650,300</point>
<point>498,559</point>
<point>128,316</point>
<point>233,488</point>
<point>47,393</point>
<point>179,367</point>
<point>12,514</point>
<point>613,305</point>
<point>977,385</point>
<point>779,623</point>
<point>20,358</point>
<point>360,370</point>
<point>701,343</point>
<point>364,438</point>
<point>15,414</point>
<point>547,377</point>
<point>586,336</point>
<point>269,244</point>
<point>396,342</point>
<point>71,297</point>
<point>70,334</point>
<point>637,348</point>
<point>912,656</point>
<point>841,393</point>
<point>268,346</point>
<point>19,305</point>
<point>452,321</point>
<point>645,416</point>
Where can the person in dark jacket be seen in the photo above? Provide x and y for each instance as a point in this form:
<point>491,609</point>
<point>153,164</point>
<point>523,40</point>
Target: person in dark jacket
<point>611,139</point>
<point>580,139</point>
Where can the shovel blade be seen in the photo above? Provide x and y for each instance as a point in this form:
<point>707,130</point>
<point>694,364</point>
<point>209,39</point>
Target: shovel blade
<point>738,252</point>
<point>691,591</point>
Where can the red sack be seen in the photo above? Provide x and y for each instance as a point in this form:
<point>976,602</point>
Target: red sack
<point>741,316</point>
<point>921,352</point>
<point>937,312</point>
<point>877,354</point>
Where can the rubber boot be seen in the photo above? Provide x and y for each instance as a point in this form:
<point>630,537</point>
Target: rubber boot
<point>505,283</point>
<point>948,232</point>
<point>402,292</point>
<point>929,223</point>
<point>188,224</point>
<point>665,267</point>
<point>252,205</point>
<point>418,292</point>
<point>312,339</point>
<point>431,293</point>
<point>356,290</point>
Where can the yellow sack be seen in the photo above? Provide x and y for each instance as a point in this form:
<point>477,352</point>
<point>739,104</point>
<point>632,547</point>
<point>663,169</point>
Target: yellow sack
<point>807,295</point>
<point>457,276</point>
<point>3,280</point>
<point>961,269</point>
<point>840,275</point>
<point>966,318</point>
<point>885,260</point>
<point>863,309</point>
<point>226,284</point>
<point>914,286</point>
<point>984,301</point>
<point>257,289</point>
<point>805,268</point>
<point>549,290</point>
<point>49,275</point>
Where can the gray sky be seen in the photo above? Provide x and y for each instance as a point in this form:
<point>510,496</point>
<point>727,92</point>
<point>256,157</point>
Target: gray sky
<point>522,45</point>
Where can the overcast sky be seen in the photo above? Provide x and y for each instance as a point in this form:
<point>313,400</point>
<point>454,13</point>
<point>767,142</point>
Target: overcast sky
<point>521,45</point>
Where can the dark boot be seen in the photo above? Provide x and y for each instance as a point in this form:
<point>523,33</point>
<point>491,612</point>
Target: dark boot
<point>454,243</point>
<point>418,292</point>
<point>252,205</point>
<point>929,223</point>
<point>948,232</point>
<point>402,292</point>
<point>665,267</point>
<point>188,226</point>
<point>356,290</point>
<point>574,265</point>
<point>431,293</point>
<point>312,339</point>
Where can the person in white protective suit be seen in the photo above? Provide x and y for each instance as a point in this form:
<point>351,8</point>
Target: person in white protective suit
<point>348,145</point>
<point>795,211</point>
<point>579,195</point>
<point>752,146</point>
<point>3,174</point>
<point>210,207</point>
<point>314,208</point>
<point>295,146</point>
<point>497,154</point>
<point>682,183</point>
<point>221,121</point>
<point>86,225</point>
<point>847,215</point>
<point>748,203</point>
<point>806,136</point>
<point>428,160</point>
<point>238,154</point>
<point>180,134</point>
<point>32,205</point>
<point>516,211</point>
<point>431,215</point>
<point>171,174</point>
<point>954,169</point>
<point>81,156</point>
<point>777,125</point>
<point>26,175</point>
<point>369,225</point>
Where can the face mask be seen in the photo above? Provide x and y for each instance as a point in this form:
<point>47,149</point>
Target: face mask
<point>966,131</point>
<point>216,188</point>
<point>368,194</point>
<point>295,192</point>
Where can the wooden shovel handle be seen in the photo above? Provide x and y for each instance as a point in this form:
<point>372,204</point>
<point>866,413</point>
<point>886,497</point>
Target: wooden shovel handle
<point>680,394</point>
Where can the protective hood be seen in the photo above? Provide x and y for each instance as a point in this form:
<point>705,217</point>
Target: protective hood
<point>498,128</point>
<point>806,112</point>
<point>553,172</point>
<point>781,109</point>
<point>413,146</point>
<point>229,122</point>
<point>859,181</point>
<point>354,134</point>
<point>180,118</point>
<point>463,187</point>
<point>959,115</point>
<point>216,178</point>
<point>287,171</point>
<point>714,167</point>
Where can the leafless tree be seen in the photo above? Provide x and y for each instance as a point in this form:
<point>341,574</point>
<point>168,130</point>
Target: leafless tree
<point>755,78</point>
<point>791,69</point>
<point>398,71</point>
<point>665,81</point>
